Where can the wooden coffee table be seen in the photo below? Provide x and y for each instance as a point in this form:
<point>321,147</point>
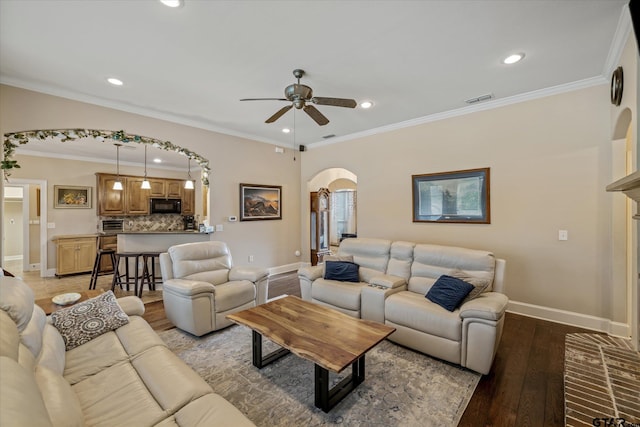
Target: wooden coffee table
<point>330,339</point>
<point>49,306</point>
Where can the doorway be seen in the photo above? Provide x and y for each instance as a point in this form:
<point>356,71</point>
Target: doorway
<point>24,232</point>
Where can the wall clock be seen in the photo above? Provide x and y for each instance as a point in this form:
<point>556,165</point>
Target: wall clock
<point>616,86</point>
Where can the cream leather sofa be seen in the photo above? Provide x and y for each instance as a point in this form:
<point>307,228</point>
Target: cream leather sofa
<point>126,377</point>
<point>394,279</point>
<point>201,286</point>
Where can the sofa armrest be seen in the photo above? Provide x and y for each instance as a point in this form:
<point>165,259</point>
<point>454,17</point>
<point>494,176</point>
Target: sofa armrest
<point>489,306</point>
<point>131,305</point>
<point>188,287</point>
<point>252,274</point>
<point>388,281</point>
<point>311,273</point>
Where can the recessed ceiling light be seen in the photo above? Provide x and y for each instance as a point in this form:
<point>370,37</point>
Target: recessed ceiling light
<point>366,104</point>
<point>286,130</point>
<point>156,160</point>
<point>512,59</point>
<point>172,3</point>
<point>114,81</point>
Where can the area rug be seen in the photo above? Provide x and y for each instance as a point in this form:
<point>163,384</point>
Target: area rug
<point>601,381</point>
<point>401,387</point>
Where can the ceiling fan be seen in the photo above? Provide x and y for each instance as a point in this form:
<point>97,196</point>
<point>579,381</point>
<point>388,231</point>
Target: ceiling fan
<point>300,95</point>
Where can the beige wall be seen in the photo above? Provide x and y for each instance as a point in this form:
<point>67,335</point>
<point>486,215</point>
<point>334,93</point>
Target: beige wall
<point>232,160</point>
<point>550,161</point>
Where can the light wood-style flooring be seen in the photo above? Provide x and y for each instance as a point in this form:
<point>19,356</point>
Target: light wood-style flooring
<point>524,387</point>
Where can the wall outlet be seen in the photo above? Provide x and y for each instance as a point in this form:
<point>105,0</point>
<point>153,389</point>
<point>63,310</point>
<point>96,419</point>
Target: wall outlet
<point>219,227</point>
<point>563,235</point>
<point>51,225</point>
<point>251,258</point>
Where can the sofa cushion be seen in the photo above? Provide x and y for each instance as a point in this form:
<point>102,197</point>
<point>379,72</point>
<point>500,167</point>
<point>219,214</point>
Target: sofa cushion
<point>343,271</point>
<point>480,284</point>
<point>17,300</point>
<point>415,311</point>
<point>340,294</point>
<point>61,402</point>
<point>21,403</point>
<point>95,356</point>
<point>87,320</point>
<point>448,292</point>
<point>116,396</point>
<point>233,294</point>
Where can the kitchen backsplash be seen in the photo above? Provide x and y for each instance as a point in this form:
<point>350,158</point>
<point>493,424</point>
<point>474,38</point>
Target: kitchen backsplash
<point>158,222</point>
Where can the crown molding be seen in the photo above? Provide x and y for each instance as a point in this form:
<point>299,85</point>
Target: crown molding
<point>623,31</point>
<point>489,105</point>
<point>160,115</point>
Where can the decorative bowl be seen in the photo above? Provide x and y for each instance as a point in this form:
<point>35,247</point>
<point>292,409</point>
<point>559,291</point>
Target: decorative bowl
<point>66,299</point>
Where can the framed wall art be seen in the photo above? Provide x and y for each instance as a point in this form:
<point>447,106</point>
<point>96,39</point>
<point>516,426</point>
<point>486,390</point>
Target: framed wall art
<point>260,202</point>
<point>72,197</point>
<point>458,196</point>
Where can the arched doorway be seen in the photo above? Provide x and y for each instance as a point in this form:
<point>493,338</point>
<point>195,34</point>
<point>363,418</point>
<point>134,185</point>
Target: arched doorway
<point>342,185</point>
<point>624,228</point>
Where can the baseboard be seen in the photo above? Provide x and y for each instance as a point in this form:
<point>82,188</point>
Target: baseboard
<point>570,318</point>
<point>50,272</point>
<point>284,268</point>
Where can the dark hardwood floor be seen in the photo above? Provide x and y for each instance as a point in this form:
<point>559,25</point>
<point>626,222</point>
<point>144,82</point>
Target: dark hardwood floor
<point>524,387</point>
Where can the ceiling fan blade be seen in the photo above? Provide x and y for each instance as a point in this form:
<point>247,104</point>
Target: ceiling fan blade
<point>279,114</point>
<point>316,115</point>
<point>264,99</point>
<point>335,102</point>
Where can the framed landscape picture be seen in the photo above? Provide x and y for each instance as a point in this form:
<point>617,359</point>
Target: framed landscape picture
<point>459,196</point>
<point>72,197</point>
<point>259,202</point>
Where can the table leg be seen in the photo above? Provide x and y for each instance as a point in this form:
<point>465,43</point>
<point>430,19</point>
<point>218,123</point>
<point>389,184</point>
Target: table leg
<point>326,398</point>
<point>258,360</point>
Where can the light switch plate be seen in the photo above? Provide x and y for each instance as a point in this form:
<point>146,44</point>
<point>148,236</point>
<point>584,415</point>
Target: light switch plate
<point>563,235</point>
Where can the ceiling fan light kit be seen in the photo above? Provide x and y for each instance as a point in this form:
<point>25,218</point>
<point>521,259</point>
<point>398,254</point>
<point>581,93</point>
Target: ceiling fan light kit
<point>300,96</point>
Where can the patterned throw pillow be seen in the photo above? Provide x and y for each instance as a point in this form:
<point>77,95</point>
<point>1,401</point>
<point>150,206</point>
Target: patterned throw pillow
<point>479,284</point>
<point>87,320</point>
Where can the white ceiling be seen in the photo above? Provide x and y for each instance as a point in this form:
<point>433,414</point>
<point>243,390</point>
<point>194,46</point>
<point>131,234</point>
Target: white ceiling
<point>414,59</point>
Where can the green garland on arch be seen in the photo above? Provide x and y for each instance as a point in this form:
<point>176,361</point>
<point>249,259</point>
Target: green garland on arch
<point>13,140</point>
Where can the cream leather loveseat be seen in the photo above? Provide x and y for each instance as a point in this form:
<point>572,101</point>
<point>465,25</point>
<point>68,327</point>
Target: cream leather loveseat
<point>394,278</point>
<point>200,286</point>
<point>126,377</point>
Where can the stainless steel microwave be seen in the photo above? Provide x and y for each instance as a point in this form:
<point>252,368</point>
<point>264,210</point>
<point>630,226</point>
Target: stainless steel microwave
<point>166,206</point>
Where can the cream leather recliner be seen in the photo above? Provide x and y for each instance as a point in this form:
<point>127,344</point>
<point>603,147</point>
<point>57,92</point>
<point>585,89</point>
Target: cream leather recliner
<point>201,286</point>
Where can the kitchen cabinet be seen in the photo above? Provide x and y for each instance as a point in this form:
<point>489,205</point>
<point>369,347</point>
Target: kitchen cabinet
<point>174,188</point>
<point>137,198</point>
<point>133,200</point>
<point>188,201</point>
<point>110,202</point>
<point>75,253</point>
<point>158,187</point>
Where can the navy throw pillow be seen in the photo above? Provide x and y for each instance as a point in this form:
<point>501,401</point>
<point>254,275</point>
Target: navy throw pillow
<point>448,292</point>
<point>343,271</point>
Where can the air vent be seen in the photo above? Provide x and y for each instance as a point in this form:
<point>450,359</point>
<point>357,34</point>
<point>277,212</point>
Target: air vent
<point>328,136</point>
<point>479,99</point>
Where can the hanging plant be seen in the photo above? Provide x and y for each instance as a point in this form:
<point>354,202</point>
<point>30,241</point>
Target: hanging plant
<point>15,139</point>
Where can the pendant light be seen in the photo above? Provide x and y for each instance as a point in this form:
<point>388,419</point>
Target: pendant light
<point>145,182</point>
<point>188,184</point>
<point>117,185</point>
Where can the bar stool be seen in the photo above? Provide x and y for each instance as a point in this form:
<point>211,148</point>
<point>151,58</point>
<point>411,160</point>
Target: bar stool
<point>111,253</point>
<point>149,277</point>
<point>128,278</point>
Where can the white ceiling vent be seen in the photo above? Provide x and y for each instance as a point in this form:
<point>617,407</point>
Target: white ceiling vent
<point>479,98</point>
